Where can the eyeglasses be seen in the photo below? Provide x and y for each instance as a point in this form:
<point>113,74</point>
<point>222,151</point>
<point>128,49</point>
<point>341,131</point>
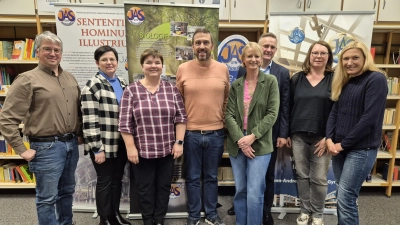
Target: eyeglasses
<point>50,50</point>
<point>322,54</point>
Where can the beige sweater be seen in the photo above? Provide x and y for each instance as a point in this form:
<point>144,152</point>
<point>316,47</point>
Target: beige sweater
<point>205,92</point>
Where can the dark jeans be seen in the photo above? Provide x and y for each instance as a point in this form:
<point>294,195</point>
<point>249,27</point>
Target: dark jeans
<point>54,166</point>
<point>109,182</point>
<point>270,182</point>
<point>153,181</point>
<point>202,153</point>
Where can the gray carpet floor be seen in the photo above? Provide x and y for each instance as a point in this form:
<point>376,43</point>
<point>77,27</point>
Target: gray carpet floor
<point>17,207</point>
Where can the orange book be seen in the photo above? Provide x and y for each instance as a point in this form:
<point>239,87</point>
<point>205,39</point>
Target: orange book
<point>22,174</point>
<point>387,141</point>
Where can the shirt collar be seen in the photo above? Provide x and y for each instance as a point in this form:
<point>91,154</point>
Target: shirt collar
<point>108,78</point>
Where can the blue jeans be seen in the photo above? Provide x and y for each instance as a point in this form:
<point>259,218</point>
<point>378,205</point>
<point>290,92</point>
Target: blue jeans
<point>202,153</point>
<point>350,169</point>
<point>249,175</point>
<point>311,173</point>
<point>54,168</point>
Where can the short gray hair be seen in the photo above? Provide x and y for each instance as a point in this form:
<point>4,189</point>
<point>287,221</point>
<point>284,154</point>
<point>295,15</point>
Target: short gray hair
<point>47,36</point>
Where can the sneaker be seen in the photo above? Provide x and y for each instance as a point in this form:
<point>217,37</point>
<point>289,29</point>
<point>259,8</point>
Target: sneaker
<point>215,221</point>
<point>303,219</point>
<point>317,221</point>
<point>192,222</point>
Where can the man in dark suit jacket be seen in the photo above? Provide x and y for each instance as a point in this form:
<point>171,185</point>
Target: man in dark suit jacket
<point>280,133</point>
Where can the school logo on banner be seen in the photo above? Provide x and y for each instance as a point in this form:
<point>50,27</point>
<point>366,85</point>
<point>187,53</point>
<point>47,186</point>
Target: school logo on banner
<point>338,42</point>
<point>135,15</point>
<point>230,53</point>
<point>296,35</point>
<point>66,16</point>
<point>176,191</point>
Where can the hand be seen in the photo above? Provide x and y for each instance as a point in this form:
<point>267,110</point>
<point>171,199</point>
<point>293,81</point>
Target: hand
<point>249,152</point>
<point>289,142</point>
<point>331,147</point>
<point>28,155</point>
<point>100,157</point>
<point>338,148</point>
<point>281,142</point>
<point>321,147</point>
<point>177,150</point>
<point>80,140</point>
<point>246,141</point>
<point>133,155</point>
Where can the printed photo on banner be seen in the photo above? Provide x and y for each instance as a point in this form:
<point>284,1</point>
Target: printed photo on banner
<point>183,53</point>
<point>179,28</point>
<point>191,30</point>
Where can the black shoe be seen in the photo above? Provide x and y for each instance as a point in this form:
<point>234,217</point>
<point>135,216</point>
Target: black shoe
<point>104,221</point>
<point>231,211</point>
<point>268,219</point>
<point>120,220</point>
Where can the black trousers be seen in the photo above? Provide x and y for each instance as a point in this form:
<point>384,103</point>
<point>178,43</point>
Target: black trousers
<point>269,181</point>
<point>109,182</point>
<point>153,181</point>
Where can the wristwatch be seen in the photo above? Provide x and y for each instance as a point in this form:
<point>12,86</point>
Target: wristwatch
<point>179,142</point>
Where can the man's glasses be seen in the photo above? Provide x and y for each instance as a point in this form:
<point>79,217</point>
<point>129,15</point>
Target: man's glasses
<point>322,54</point>
<point>49,50</point>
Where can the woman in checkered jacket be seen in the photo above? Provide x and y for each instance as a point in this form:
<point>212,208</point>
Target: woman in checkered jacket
<point>100,101</point>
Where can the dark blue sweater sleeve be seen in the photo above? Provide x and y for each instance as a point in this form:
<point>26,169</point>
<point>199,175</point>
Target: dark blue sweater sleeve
<point>330,125</point>
<point>285,104</point>
<point>372,117</point>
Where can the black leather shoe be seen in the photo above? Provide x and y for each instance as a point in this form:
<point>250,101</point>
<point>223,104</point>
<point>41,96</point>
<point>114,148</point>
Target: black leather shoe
<point>104,221</point>
<point>231,211</point>
<point>268,219</point>
<point>121,220</point>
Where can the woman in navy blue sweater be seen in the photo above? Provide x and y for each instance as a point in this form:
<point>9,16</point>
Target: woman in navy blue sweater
<point>354,127</point>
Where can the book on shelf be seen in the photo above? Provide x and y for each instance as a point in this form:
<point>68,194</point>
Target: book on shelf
<point>18,178</point>
<point>27,173</point>
<point>7,49</point>
<point>23,177</point>
<point>18,50</point>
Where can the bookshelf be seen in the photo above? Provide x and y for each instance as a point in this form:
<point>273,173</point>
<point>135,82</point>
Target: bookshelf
<point>386,40</point>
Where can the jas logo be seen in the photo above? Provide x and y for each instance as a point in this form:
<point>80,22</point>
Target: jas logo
<point>175,191</point>
<point>230,52</point>
<point>66,16</point>
<point>135,15</point>
<point>338,42</point>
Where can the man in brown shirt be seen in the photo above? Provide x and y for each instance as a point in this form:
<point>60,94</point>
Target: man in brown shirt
<point>46,99</point>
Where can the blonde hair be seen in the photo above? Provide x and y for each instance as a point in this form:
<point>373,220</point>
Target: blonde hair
<point>341,78</point>
<point>250,45</point>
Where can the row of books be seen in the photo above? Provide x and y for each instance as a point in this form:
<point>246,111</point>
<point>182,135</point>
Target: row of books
<point>385,170</point>
<point>393,85</point>
<point>225,174</point>
<point>17,50</point>
<point>6,149</point>
<point>388,118</point>
<point>6,73</point>
<point>12,173</point>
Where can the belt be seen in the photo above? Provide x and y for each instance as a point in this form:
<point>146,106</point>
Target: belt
<point>63,138</point>
<point>204,131</point>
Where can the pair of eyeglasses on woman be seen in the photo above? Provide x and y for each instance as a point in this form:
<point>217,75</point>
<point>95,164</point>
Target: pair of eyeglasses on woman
<point>322,54</point>
<point>49,50</point>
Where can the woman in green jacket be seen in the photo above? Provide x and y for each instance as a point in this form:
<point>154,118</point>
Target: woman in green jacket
<point>251,112</point>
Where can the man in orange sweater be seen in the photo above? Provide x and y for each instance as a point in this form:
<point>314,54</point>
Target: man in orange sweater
<point>204,85</point>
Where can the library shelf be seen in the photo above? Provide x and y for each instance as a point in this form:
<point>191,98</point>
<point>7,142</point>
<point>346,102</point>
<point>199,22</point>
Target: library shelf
<point>19,61</point>
<point>10,157</point>
<point>226,183</point>
<point>376,181</point>
<point>383,155</point>
<point>7,185</point>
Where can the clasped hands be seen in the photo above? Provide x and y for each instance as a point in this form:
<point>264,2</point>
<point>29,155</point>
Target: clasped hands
<point>245,143</point>
<point>333,148</point>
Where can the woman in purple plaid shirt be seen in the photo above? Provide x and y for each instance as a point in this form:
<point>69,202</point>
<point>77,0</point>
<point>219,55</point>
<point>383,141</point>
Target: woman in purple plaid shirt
<point>152,124</point>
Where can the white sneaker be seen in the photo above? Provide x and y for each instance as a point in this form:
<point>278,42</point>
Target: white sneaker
<point>303,219</point>
<point>317,221</point>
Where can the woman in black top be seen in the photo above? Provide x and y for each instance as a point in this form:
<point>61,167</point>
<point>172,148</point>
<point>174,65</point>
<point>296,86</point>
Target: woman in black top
<point>311,105</point>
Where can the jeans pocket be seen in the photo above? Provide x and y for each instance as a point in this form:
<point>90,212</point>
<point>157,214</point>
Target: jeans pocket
<point>187,133</point>
<point>41,147</point>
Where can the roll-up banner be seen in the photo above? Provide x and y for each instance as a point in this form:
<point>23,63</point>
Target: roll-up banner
<point>295,34</point>
<point>168,28</point>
